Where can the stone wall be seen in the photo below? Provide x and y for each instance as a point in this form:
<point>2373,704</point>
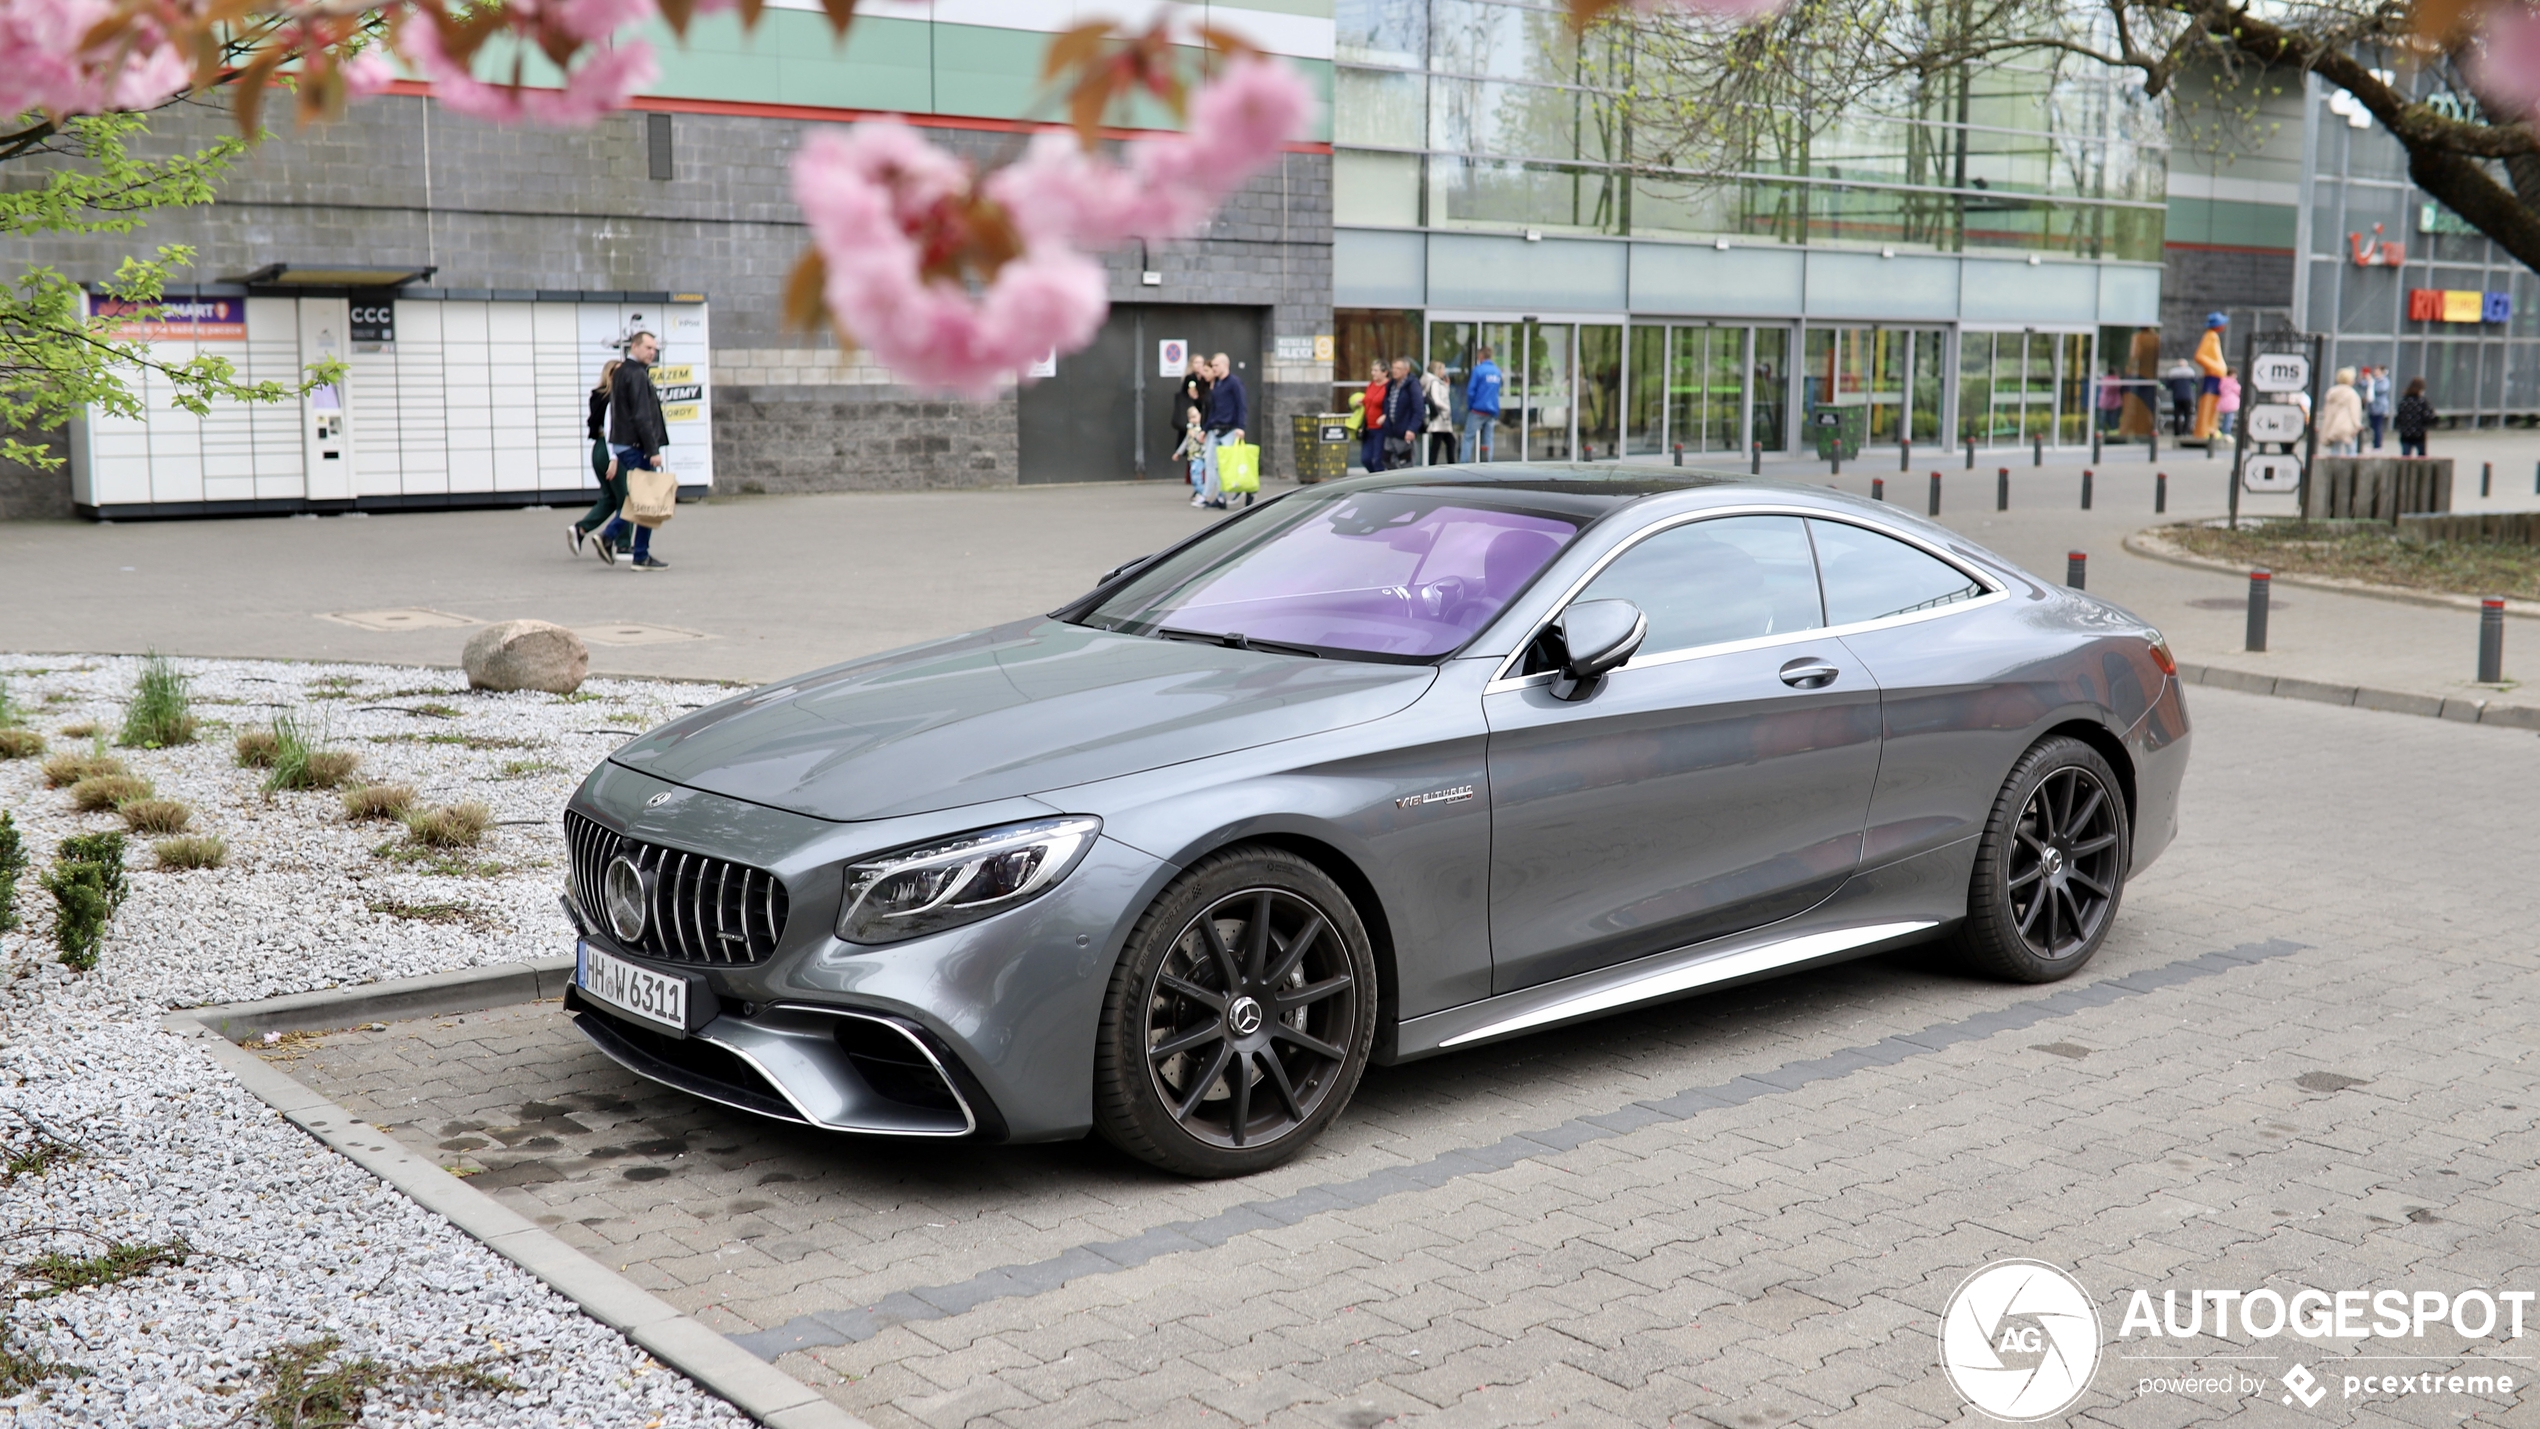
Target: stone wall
<point>402,182</point>
<point>2251,287</point>
<point>32,493</point>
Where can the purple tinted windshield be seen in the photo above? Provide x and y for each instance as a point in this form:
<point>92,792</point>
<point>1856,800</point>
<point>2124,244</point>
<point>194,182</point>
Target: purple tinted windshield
<point>1407,573</point>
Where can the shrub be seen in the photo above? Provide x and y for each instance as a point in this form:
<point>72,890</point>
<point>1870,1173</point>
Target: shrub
<point>155,816</point>
<point>12,863</point>
<point>160,714</point>
<point>99,792</point>
<point>191,851</point>
<point>256,749</point>
<point>450,826</point>
<point>87,885</point>
<point>65,769</point>
<point>18,743</point>
<point>301,762</point>
<point>379,801</point>
<point>10,713</point>
<point>78,731</point>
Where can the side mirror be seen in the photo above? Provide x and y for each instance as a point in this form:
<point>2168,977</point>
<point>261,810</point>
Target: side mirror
<point>1595,636</point>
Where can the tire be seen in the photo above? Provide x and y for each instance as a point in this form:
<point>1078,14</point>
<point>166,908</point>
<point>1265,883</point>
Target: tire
<point>2050,868</point>
<point>1300,1023</point>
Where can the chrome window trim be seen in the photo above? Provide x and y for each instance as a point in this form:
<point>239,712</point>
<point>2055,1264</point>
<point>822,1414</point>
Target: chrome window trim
<point>1995,592</point>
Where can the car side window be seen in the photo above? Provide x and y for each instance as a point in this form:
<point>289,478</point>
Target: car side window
<point>1869,576</point>
<point>1705,582</point>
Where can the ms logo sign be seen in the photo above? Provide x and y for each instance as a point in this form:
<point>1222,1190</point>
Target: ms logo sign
<point>2020,1339</point>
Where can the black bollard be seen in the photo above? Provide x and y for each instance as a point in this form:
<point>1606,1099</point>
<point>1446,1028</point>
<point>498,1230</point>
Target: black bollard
<point>2002,489</point>
<point>2094,444</point>
<point>1971,453</point>
<point>2077,569</point>
<point>2259,582</point>
<point>2152,452</point>
<point>1836,461</point>
<point>2160,492</point>
<point>1904,453</point>
<point>1755,463</point>
<point>2491,640</point>
<point>1878,488</point>
<point>2486,476</point>
<point>1680,453</point>
<point>1935,493</point>
<point>2085,488</point>
<point>2037,451</point>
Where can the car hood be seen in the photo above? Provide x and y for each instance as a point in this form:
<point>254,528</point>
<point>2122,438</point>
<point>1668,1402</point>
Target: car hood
<point>1014,710</point>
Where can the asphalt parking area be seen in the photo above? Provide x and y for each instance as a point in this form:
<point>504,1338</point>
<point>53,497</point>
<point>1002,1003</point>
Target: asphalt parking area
<point>2304,1058</point>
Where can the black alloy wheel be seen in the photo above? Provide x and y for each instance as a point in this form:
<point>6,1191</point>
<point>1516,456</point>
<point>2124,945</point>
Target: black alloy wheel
<point>2051,866</point>
<point>1239,1020</point>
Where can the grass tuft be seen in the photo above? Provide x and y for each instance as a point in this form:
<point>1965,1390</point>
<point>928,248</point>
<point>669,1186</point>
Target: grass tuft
<point>99,793</point>
<point>11,713</point>
<point>256,749</point>
<point>12,863</point>
<point>446,863</point>
<point>450,826</point>
<point>160,715</point>
<point>308,1387</point>
<point>122,1261</point>
<point>426,912</point>
<point>155,816</point>
<point>190,851</point>
<point>300,760</point>
<point>48,1152</point>
<point>22,1370</point>
<point>81,730</point>
<point>65,769</point>
<point>523,768</point>
<point>17,743</point>
<point>379,801</point>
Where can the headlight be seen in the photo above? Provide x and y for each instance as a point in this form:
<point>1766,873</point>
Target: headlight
<point>910,892</point>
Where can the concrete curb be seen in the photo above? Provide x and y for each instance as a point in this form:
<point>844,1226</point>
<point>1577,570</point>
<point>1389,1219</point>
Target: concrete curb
<point>756,1388</point>
<point>2149,544</point>
<point>2464,711</point>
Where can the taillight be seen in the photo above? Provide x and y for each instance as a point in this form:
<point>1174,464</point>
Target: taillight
<point>2161,656</point>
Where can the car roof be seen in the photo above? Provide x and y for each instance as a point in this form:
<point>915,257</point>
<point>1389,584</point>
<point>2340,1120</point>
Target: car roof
<point>1582,489</point>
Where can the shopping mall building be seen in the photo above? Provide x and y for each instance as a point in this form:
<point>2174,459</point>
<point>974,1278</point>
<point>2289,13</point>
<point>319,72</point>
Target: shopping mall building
<point>1958,266</point>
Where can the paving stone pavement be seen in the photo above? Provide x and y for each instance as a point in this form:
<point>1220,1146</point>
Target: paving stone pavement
<point>2305,1058</point>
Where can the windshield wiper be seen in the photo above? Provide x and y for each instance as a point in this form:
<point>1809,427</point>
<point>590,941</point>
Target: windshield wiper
<point>1237,640</point>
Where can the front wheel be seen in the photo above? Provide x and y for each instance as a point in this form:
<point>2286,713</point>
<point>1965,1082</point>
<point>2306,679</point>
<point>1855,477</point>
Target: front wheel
<point>1239,1019</point>
<point>2051,866</point>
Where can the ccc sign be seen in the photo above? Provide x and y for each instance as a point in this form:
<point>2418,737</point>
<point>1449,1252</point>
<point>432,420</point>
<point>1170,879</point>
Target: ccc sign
<point>374,322</point>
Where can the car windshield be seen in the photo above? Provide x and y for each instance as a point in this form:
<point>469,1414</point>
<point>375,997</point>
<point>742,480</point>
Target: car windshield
<point>1405,574</point>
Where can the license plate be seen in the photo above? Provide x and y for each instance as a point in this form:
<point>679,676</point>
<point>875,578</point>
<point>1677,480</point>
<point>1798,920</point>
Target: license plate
<point>636,991</point>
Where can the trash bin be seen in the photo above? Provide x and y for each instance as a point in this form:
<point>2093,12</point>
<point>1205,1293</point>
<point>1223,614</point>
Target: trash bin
<point>1838,431</point>
<point>1322,446</point>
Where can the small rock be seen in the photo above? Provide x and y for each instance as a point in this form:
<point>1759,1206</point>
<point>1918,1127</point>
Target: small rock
<point>526,655</point>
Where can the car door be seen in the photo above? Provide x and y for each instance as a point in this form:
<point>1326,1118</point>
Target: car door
<point>1716,782</point>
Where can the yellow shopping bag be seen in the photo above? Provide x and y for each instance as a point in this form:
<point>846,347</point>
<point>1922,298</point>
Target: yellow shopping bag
<point>1239,468</point>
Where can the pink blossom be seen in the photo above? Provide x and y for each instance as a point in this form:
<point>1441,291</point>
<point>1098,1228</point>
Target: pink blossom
<point>601,83</point>
<point>2506,66</point>
<point>366,73</point>
<point>42,65</point>
<point>863,192</point>
<point>596,20</point>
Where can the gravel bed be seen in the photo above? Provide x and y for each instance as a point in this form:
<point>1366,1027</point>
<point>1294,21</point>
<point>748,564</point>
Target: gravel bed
<point>289,1243</point>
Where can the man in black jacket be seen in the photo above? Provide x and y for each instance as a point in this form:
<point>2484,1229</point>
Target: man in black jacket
<point>1406,412</point>
<point>636,431</point>
<point>1227,413</point>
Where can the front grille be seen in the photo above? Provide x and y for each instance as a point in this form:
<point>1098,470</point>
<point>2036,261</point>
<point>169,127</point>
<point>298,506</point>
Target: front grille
<point>704,910</point>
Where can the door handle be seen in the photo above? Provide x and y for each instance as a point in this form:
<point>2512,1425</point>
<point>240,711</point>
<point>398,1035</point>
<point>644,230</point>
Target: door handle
<point>1808,673</point>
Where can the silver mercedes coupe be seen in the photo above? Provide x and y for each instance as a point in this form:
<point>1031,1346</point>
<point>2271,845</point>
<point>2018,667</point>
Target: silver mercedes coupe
<point>1386,768</point>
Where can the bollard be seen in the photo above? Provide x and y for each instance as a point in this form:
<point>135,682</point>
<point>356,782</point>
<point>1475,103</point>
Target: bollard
<point>1836,469</point>
<point>2152,451</point>
<point>2037,451</point>
<point>2095,458</point>
<point>2259,582</point>
<point>2002,489</point>
<point>2491,640</point>
<point>2077,569</point>
<point>1935,493</point>
<point>2160,492</point>
<point>1904,453</point>
<point>1755,463</point>
<point>1680,453</point>
<point>2486,476</point>
<point>1971,457</point>
<point>1878,488</point>
<point>2085,488</point>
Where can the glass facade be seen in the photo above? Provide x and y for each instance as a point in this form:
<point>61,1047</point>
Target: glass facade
<point>2482,373</point>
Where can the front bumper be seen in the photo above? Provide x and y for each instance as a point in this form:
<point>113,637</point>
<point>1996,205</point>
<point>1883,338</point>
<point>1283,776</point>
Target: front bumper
<point>985,1031</point>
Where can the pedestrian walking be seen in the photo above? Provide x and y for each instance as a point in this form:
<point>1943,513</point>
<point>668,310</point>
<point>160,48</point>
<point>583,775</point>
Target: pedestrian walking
<point>1190,414</point>
<point>1481,406</point>
<point>638,436</point>
<point>1436,396</point>
<point>1405,415</point>
<point>2181,380</point>
<point>2413,419</point>
<point>1371,431</point>
<point>1227,414</point>
<point>2377,401</point>
<point>2341,415</point>
<point>2227,400</point>
<point>603,466</point>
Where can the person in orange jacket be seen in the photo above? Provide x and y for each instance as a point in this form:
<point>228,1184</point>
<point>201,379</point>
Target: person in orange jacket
<point>2209,360</point>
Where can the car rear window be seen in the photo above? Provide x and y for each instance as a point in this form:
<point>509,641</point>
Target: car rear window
<point>1403,574</point>
<point>1869,576</point>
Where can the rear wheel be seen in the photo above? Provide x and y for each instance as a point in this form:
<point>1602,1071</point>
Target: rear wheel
<point>1239,1018</point>
<point>2051,866</point>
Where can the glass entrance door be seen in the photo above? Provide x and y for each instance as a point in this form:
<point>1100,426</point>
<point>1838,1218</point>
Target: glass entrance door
<point>1893,374</point>
<point>1548,398</point>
